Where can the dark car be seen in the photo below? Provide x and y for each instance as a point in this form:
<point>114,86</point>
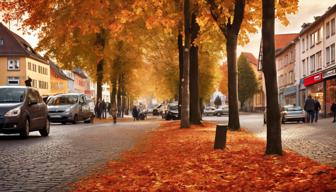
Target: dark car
<point>172,112</point>
<point>70,107</point>
<point>22,110</point>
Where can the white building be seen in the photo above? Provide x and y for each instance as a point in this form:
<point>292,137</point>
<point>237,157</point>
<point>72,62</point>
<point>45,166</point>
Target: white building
<point>317,68</point>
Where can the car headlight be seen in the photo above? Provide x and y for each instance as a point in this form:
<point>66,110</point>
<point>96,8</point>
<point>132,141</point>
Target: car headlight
<point>68,110</point>
<point>13,112</point>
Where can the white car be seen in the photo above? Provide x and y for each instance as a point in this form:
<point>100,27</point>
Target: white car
<point>209,111</point>
<point>222,110</point>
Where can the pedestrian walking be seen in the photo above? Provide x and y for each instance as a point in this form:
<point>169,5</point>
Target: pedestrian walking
<point>135,113</point>
<point>114,113</point>
<point>103,109</point>
<point>97,108</point>
<point>333,110</point>
<point>317,109</point>
<point>309,107</point>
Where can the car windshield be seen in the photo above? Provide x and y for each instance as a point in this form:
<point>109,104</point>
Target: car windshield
<point>293,108</point>
<point>12,95</point>
<point>63,100</point>
<point>173,107</point>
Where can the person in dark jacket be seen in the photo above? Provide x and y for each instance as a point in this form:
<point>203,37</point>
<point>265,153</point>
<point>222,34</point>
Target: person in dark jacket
<point>317,109</point>
<point>333,110</point>
<point>309,107</point>
<point>135,113</point>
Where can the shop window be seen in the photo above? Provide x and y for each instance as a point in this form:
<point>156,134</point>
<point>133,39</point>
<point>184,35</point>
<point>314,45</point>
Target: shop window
<point>13,80</point>
<point>330,93</point>
<point>13,64</point>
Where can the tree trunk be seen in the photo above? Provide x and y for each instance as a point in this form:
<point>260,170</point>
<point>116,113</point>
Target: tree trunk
<point>119,96</point>
<point>180,49</point>
<point>231,47</point>
<point>273,145</point>
<point>186,65</point>
<point>100,74</point>
<point>113,91</point>
<point>195,112</point>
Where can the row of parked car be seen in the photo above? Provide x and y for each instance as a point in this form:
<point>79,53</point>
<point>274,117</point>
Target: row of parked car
<point>22,110</point>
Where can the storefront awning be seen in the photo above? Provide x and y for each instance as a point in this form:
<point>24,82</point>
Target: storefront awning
<point>313,79</point>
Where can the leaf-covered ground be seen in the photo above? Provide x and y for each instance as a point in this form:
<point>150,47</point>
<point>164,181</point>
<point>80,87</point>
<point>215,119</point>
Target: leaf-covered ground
<point>174,159</point>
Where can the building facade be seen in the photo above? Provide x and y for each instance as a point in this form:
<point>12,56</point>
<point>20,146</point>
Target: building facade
<point>285,64</point>
<point>317,70</point>
<point>19,61</point>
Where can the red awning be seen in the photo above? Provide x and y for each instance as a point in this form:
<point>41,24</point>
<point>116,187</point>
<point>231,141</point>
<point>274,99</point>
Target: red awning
<point>313,79</point>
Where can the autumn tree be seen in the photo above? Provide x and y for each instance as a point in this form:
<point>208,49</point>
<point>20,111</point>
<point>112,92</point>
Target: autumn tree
<point>247,80</point>
<point>230,26</point>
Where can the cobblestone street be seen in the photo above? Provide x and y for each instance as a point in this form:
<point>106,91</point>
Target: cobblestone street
<point>71,151</point>
<point>316,141</point>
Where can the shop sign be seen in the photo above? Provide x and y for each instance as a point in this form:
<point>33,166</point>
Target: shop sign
<point>313,79</point>
<point>329,73</point>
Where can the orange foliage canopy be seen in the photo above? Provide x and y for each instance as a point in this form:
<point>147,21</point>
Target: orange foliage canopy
<point>184,160</point>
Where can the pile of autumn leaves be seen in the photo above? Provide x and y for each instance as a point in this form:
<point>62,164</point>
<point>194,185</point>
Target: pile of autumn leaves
<point>172,159</point>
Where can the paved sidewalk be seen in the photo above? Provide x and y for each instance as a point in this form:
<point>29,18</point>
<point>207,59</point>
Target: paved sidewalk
<point>316,141</point>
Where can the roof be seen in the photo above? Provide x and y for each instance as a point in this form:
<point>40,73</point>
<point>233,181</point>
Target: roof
<point>80,72</point>
<point>318,19</point>
<point>59,72</point>
<point>16,46</point>
<point>250,58</point>
<point>282,40</point>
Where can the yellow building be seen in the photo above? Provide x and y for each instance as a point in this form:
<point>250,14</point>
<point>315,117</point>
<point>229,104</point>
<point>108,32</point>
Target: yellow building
<point>58,80</point>
<point>19,61</point>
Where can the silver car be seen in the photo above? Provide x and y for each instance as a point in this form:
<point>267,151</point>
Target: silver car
<point>292,113</point>
<point>71,107</point>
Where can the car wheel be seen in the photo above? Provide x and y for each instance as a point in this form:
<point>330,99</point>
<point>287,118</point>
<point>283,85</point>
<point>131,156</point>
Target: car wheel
<point>25,131</point>
<point>75,119</point>
<point>46,130</point>
<point>89,120</point>
<point>303,120</point>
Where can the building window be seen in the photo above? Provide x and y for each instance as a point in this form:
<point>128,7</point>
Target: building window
<point>332,26</point>
<point>328,56</point>
<point>332,54</point>
<point>304,68</point>
<point>303,45</point>
<point>34,83</point>
<point>312,63</point>
<point>13,80</point>
<point>327,30</point>
<point>319,60</point>
<point>29,65</point>
<point>43,85</point>
<point>13,64</point>
<point>312,40</point>
<point>2,42</point>
<point>319,35</point>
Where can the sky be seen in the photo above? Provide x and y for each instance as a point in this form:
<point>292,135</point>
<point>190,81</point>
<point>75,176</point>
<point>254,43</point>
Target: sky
<point>307,10</point>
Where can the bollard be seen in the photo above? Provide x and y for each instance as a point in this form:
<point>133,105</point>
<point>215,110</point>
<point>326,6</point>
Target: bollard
<point>220,139</point>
